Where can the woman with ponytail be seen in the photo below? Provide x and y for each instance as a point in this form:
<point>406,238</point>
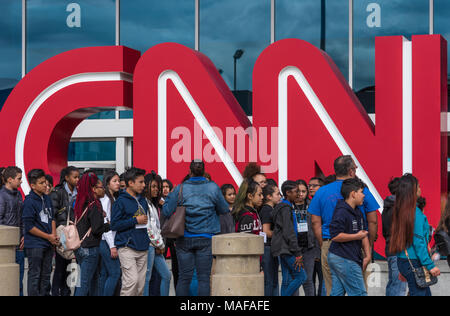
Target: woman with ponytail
<point>248,200</point>
<point>270,264</point>
<point>410,234</point>
<point>110,271</point>
<point>89,216</point>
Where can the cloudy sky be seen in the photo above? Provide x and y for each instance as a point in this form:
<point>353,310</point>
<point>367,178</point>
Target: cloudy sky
<point>225,26</point>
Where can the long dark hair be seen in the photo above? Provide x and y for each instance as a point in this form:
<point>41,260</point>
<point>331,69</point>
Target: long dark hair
<point>85,194</point>
<point>148,179</point>
<point>248,186</point>
<point>404,214</point>
<point>106,180</point>
<point>444,217</point>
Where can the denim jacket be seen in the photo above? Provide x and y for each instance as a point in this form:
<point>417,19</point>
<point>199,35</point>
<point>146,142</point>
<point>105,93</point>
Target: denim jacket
<point>204,203</point>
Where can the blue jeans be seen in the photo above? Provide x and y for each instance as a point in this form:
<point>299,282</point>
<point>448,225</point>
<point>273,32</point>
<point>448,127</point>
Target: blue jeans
<point>88,260</point>
<point>110,271</point>
<point>395,287</point>
<point>194,253</point>
<point>159,263</point>
<point>270,267</point>
<point>20,260</point>
<point>39,270</point>
<point>405,269</point>
<point>292,277</point>
<point>346,276</point>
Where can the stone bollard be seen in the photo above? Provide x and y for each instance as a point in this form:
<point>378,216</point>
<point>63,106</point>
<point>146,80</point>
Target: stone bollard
<point>237,265</point>
<point>9,270</point>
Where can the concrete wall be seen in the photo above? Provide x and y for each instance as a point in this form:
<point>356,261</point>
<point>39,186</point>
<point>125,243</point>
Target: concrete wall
<point>9,270</point>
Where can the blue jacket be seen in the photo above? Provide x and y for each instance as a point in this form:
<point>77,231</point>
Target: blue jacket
<point>123,220</point>
<point>419,249</point>
<point>204,203</point>
<point>347,220</point>
<point>37,212</point>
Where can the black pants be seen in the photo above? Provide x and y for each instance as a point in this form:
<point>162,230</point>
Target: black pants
<point>39,270</point>
<point>170,245</point>
<point>59,281</point>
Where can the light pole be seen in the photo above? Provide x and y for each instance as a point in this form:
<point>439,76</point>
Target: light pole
<point>238,54</point>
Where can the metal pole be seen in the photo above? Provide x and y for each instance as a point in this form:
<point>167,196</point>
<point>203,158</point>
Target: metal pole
<point>117,22</point>
<point>234,74</point>
<point>24,38</point>
<point>197,25</point>
<point>350,43</point>
<point>323,24</point>
<point>431,27</point>
<point>272,21</point>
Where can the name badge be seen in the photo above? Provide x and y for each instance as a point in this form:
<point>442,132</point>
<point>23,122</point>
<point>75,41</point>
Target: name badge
<point>44,216</point>
<point>302,227</point>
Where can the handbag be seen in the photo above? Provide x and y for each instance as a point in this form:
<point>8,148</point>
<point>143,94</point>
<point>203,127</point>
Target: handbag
<point>69,238</point>
<point>442,240</point>
<point>423,277</point>
<point>174,226</point>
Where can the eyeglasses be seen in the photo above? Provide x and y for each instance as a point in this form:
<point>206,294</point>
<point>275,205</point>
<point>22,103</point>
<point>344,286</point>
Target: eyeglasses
<point>312,185</point>
<point>102,187</point>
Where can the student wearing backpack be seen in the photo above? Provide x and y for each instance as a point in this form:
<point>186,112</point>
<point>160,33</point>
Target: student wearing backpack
<point>40,234</point>
<point>63,199</point>
<point>129,220</point>
<point>91,226</point>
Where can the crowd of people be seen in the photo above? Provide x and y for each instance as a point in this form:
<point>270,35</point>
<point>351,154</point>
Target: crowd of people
<point>320,232</point>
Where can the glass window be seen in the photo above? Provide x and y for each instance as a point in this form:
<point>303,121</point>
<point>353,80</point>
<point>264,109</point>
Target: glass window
<point>383,18</point>
<point>320,22</point>
<point>126,114</point>
<point>234,33</point>
<point>92,151</point>
<point>10,46</point>
<point>103,115</point>
<point>56,26</point>
<point>145,23</point>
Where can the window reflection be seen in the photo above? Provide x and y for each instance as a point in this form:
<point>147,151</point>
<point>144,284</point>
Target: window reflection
<point>10,47</point>
<point>145,23</point>
<point>56,26</point>
<point>234,32</point>
<point>323,23</point>
<point>383,18</point>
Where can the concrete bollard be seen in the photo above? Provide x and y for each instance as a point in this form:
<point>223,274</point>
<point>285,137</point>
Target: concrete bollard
<point>9,270</point>
<point>237,265</point>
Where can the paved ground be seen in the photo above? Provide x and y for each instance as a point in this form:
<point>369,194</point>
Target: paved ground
<point>377,280</point>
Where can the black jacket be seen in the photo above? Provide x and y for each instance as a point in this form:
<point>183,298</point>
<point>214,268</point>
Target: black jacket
<point>61,205</point>
<point>284,238</point>
<point>11,208</point>
<point>92,219</point>
<point>386,219</point>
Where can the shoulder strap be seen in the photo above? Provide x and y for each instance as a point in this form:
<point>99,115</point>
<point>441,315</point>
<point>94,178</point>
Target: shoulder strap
<point>84,212</point>
<point>410,263</point>
<point>180,195</point>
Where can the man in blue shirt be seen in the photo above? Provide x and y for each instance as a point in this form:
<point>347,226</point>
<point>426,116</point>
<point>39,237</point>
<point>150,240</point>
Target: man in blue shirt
<point>324,203</point>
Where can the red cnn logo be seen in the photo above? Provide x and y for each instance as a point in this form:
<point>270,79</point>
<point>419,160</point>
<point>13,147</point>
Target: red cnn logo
<point>183,109</point>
